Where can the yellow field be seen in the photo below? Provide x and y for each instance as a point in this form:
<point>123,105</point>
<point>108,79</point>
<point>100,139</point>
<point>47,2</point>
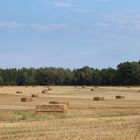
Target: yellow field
<point>86,119</point>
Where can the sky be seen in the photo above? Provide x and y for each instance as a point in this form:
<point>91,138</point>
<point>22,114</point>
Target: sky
<point>69,33</point>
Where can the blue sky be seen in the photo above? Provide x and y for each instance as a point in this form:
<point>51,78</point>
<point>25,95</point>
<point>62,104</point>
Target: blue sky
<point>69,33</point>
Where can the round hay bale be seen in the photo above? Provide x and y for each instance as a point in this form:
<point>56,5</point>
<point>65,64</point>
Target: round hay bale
<point>34,95</point>
<point>98,98</point>
<point>25,99</point>
<point>120,97</point>
<point>19,92</point>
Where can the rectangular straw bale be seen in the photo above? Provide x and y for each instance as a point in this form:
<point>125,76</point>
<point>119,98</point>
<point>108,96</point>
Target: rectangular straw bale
<point>34,95</point>
<point>119,97</point>
<point>26,99</point>
<point>18,92</point>
<point>51,108</point>
<point>98,98</point>
<point>56,102</point>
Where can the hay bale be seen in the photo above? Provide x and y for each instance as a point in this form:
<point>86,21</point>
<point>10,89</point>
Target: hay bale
<point>51,108</point>
<point>49,88</point>
<point>55,102</point>
<point>34,95</point>
<point>19,92</point>
<point>25,99</point>
<point>45,91</point>
<point>91,89</point>
<point>98,98</point>
<point>120,97</point>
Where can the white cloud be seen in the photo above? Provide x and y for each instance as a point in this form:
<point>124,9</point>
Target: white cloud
<point>60,3</point>
<point>46,26</point>
<point>63,3</point>
<point>42,27</point>
<point>7,24</point>
<point>124,22</point>
<point>84,11</point>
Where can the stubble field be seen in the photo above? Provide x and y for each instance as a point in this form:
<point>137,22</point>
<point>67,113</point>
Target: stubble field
<point>111,119</point>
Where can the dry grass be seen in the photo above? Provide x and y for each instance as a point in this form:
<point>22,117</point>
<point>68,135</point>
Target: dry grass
<point>85,120</point>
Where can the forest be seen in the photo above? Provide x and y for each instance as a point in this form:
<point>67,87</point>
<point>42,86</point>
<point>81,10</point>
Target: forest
<point>126,73</point>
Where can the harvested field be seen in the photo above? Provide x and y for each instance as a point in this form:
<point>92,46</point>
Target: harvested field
<point>86,119</point>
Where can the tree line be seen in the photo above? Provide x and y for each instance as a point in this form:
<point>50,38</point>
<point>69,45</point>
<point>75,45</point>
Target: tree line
<point>127,73</point>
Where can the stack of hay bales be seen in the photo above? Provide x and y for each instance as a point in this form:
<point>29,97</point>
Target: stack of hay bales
<point>120,97</point>
<point>64,103</point>
<point>98,98</point>
<point>45,91</point>
<point>53,108</point>
<point>26,99</point>
<point>34,95</point>
<point>19,92</point>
